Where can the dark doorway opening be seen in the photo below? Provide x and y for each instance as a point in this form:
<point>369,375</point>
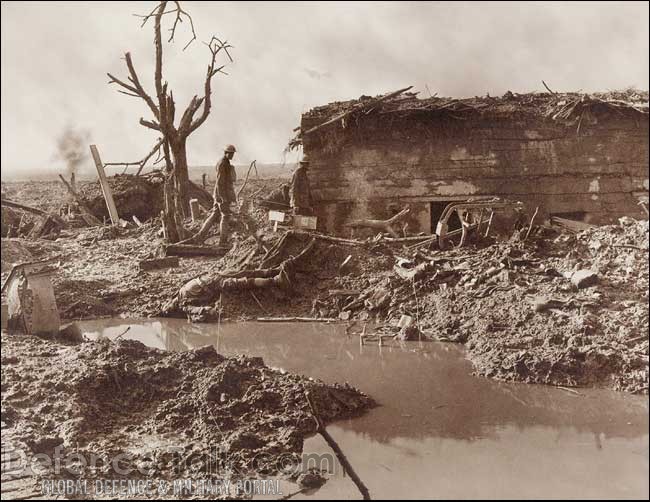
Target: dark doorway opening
<point>437,207</point>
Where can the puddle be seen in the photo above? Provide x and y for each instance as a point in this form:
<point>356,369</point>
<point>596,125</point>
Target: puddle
<point>439,432</point>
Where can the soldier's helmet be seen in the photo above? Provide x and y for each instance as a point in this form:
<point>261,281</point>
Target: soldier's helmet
<point>230,149</point>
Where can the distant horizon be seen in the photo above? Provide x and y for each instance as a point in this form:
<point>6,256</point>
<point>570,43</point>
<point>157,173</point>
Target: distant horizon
<point>264,169</point>
<point>290,57</point>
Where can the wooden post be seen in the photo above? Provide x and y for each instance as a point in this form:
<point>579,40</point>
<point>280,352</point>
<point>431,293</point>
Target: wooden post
<point>106,189</point>
<point>194,209</point>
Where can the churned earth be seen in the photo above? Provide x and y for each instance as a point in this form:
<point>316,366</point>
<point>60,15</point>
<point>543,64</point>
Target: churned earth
<point>168,415</point>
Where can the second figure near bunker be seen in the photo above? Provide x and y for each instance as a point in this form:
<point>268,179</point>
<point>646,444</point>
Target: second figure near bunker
<point>301,200</point>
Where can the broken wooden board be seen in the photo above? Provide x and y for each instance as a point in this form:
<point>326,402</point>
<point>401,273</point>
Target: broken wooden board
<point>191,250</point>
<point>159,263</point>
<point>570,225</point>
<point>344,292</point>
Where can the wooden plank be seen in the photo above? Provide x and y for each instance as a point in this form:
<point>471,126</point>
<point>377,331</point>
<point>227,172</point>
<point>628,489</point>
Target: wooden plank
<point>159,263</point>
<point>570,225</point>
<point>106,189</point>
<point>297,319</point>
<point>344,292</point>
<point>29,209</point>
<point>190,250</point>
<point>34,210</point>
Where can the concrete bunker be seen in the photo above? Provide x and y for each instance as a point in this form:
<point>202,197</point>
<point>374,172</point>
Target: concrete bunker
<point>572,155</point>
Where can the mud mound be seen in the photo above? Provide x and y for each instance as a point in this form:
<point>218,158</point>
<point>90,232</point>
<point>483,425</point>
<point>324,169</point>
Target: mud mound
<point>104,397</point>
<point>134,196</point>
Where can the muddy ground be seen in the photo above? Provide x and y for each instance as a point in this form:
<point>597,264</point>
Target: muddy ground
<point>183,415</point>
<point>511,301</point>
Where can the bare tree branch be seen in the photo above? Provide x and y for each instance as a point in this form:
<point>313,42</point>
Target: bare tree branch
<point>178,19</point>
<point>115,80</point>
<point>215,45</point>
<point>165,125</point>
<point>128,93</point>
<point>150,124</point>
<point>136,82</point>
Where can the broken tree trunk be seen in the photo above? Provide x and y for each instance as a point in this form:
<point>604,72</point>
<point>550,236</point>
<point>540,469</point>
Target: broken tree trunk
<point>171,219</point>
<point>388,225</point>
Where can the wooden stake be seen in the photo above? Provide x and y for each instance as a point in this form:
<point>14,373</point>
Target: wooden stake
<point>530,227</point>
<point>320,428</point>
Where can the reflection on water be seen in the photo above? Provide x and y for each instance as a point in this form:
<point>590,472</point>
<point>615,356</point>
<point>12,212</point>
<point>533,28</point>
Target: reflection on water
<point>440,432</point>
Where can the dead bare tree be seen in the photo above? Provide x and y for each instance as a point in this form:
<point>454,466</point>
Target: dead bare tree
<point>163,107</point>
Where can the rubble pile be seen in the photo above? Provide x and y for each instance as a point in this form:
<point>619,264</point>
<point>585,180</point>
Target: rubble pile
<point>94,397</point>
<point>560,309</point>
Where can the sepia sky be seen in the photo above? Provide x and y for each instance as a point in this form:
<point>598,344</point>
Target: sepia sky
<point>289,57</point>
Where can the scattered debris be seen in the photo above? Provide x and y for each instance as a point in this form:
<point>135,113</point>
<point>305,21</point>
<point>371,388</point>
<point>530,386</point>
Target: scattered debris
<point>482,294</point>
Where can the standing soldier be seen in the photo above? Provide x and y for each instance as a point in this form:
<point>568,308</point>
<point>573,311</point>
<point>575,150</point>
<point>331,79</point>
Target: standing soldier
<point>224,192</point>
<point>224,195</point>
<point>301,201</point>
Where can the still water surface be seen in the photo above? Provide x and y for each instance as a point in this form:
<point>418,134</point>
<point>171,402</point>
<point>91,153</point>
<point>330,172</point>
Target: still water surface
<point>439,432</point>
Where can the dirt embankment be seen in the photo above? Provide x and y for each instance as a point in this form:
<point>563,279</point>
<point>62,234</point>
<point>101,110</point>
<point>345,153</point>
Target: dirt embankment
<point>161,409</point>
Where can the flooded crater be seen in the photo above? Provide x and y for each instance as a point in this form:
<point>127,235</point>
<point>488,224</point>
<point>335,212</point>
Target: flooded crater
<point>439,431</point>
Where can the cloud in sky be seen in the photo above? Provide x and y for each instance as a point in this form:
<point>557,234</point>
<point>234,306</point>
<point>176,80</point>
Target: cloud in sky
<point>290,57</point>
